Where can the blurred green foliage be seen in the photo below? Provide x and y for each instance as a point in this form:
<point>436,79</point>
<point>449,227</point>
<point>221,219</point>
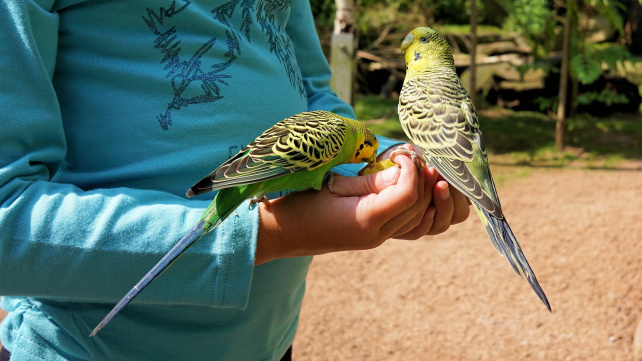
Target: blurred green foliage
<point>528,137</point>
<point>533,20</point>
<point>539,22</point>
<point>588,59</point>
<point>375,15</point>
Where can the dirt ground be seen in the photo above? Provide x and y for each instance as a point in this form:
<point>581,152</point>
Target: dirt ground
<point>452,297</point>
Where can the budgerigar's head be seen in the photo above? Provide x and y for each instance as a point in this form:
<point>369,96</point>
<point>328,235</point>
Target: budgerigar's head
<point>424,48</point>
<point>367,146</point>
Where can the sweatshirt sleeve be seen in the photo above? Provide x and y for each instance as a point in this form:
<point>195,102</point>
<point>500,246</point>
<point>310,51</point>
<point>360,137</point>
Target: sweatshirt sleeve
<point>317,75</point>
<point>59,241</point>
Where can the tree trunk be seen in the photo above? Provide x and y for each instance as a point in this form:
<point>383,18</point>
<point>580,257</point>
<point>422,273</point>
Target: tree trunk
<point>342,59</point>
<point>632,31</point>
<point>563,90</point>
<point>473,51</point>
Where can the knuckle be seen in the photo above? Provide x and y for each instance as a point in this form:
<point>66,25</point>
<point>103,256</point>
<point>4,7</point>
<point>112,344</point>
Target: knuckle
<point>370,184</point>
<point>370,242</point>
<point>368,235</point>
<point>368,227</point>
<point>413,235</point>
<point>411,197</point>
<point>425,228</point>
<point>461,216</point>
<point>416,221</point>
<point>439,228</point>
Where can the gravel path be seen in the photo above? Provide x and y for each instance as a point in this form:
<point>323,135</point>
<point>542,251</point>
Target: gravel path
<point>452,298</point>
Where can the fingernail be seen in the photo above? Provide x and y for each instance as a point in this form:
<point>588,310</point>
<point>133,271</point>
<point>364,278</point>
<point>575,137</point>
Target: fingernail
<point>390,174</point>
<point>445,194</point>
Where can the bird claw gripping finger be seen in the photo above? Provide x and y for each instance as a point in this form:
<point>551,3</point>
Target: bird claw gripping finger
<point>331,176</point>
<point>378,167</point>
<point>414,156</point>
<point>257,199</point>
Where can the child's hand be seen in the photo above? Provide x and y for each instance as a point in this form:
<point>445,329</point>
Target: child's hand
<point>451,205</point>
<point>400,202</point>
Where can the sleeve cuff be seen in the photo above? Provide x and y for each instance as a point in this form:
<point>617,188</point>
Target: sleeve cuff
<point>234,249</point>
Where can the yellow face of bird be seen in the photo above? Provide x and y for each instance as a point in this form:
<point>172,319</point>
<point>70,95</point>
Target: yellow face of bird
<point>424,48</point>
<point>368,144</point>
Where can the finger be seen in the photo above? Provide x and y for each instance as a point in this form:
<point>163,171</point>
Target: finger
<point>462,203</point>
<point>397,205</point>
<point>414,216</point>
<point>423,228</point>
<point>384,195</point>
<point>386,155</point>
<point>425,213</point>
<point>423,221</point>
<point>462,206</point>
<point>364,185</point>
<point>444,205</point>
<point>428,217</point>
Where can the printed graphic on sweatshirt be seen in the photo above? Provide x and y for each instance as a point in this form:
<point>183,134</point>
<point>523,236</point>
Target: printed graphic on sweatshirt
<point>193,81</point>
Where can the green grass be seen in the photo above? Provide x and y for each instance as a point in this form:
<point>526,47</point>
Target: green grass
<point>528,138</point>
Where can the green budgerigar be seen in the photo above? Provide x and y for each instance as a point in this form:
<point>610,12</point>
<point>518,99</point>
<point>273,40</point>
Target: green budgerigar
<point>295,154</point>
<point>436,112</point>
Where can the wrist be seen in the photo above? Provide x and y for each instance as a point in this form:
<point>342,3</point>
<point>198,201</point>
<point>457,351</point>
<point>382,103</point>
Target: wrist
<point>289,227</point>
<point>268,242</point>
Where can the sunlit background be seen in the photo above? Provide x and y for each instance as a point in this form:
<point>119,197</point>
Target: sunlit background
<point>574,205</point>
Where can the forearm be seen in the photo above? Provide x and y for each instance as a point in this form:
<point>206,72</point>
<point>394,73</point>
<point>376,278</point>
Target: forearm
<point>289,226</point>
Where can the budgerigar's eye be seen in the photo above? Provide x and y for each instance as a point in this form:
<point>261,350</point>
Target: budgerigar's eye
<point>423,40</point>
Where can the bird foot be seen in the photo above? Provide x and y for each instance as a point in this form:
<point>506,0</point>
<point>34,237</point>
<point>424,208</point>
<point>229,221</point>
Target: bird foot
<point>378,167</point>
<point>263,199</point>
<point>331,176</point>
<point>416,158</point>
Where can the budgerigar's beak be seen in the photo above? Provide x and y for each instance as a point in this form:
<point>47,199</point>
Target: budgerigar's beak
<point>407,41</point>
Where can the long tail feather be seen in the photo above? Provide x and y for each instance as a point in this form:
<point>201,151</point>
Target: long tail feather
<point>502,247</point>
<point>505,243</point>
<point>223,204</point>
<point>194,235</point>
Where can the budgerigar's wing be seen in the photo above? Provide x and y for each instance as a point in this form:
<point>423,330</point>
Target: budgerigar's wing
<point>437,113</point>
<point>441,121</point>
<point>302,142</point>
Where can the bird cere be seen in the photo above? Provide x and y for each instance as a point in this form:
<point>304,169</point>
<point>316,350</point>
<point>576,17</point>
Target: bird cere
<point>295,154</point>
<point>437,114</point>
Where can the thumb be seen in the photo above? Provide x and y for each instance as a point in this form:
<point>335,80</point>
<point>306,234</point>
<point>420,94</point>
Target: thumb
<point>364,185</point>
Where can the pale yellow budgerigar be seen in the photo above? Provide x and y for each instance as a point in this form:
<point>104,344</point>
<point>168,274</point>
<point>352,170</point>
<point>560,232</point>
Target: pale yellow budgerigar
<point>437,113</point>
